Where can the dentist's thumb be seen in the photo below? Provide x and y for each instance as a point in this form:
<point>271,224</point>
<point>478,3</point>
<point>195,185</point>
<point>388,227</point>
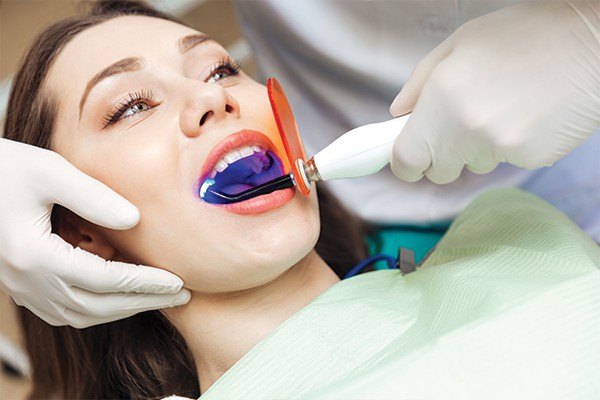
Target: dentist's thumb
<point>418,150</point>
<point>85,196</point>
<point>406,100</point>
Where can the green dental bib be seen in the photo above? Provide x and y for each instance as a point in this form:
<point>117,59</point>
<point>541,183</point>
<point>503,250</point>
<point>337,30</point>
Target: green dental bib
<point>507,307</point>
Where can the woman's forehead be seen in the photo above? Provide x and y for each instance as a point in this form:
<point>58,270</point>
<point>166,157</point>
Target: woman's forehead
<point>126,34</point>
<point>122,37</point>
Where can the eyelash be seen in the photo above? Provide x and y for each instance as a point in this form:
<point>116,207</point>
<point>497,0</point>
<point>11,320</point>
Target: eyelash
<point>226,63</point>
<point>134,99</point>
<point>147,96</point>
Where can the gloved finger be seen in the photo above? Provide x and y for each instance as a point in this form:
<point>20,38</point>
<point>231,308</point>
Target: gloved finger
<point>44,315</point>
<point>88,271</point>
<point>411,154</point>
<point>113,306</point>
<point>482,164</point>
<point>85,196</point>
<point>81,321</point>
<point>445,166</point>
<point>407,98</point>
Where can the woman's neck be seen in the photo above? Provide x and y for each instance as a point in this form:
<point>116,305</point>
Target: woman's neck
<point>220,330</point>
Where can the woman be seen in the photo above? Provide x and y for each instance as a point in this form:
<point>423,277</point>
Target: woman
<point>147,131</point>
<point>152,109</point>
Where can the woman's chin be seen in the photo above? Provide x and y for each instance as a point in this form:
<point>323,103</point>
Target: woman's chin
<point>238,252</point>
<point>255,267</point>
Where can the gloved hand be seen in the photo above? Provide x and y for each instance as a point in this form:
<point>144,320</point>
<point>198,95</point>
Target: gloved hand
<point>61,284</point>
<point>520,85</point>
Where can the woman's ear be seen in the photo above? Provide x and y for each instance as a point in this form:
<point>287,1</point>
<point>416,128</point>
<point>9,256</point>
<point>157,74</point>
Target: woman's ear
<point>81,233</point>
<point>94,241</point>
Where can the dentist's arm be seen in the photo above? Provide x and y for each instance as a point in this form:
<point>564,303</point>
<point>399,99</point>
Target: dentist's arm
<point>520,85</point>
<point>61,284</point>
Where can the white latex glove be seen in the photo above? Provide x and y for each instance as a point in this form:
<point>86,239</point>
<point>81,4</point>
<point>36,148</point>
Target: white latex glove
<point>519,85</point>
<point>61,284</point>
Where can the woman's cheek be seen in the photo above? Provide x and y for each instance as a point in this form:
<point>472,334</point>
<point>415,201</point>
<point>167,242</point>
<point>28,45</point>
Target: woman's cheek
<point>254,102</point>
<point>143,171</point>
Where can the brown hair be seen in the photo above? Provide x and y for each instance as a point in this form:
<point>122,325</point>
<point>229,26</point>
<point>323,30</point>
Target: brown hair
<point>142,356</point>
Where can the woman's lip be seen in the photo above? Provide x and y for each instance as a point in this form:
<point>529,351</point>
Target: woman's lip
<point>234,141</point>
<point>260,204</point>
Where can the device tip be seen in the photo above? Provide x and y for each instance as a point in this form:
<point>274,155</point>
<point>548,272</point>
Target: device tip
<point>311,170</point>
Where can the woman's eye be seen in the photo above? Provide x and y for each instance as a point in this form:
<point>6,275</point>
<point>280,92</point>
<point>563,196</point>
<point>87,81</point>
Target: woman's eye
<point>135,109</point>
<point>137,103</point>
<point>218,75</point>
<point>225,69</point>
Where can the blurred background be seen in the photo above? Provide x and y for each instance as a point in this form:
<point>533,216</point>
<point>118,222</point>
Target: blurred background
<point>20,22</point>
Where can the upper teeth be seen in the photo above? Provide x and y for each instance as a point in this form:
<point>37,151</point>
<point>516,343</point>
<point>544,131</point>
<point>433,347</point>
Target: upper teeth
<point>233,156</point>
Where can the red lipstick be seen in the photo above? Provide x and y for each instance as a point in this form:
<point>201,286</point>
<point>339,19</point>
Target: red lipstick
<point>260,204</point>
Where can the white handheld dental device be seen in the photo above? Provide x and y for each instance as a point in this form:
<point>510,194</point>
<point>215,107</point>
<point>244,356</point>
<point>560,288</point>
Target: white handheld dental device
<point>362,151</point>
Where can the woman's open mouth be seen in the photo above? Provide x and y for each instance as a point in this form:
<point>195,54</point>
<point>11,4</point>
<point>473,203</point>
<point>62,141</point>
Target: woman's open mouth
<point>239,171</point>
<point>249,160</point>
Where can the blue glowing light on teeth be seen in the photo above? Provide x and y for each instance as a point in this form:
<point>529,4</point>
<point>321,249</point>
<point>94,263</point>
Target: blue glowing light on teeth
<point>241,177</point>
<point>207,183</point>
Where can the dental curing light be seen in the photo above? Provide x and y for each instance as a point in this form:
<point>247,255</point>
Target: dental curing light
<point>362,151</point>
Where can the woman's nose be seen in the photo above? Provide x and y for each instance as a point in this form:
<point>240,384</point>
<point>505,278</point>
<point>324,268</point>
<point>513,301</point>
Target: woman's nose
<point>208,106</point>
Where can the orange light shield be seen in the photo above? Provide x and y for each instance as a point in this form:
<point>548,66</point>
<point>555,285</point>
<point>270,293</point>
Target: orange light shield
<point>288,131</point>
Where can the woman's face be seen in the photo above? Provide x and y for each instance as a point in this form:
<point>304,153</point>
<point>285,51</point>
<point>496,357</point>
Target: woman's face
<point>152,126</point>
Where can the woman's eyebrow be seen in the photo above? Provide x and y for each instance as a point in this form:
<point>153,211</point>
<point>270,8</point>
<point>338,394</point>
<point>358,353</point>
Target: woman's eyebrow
<point>188,42</point>
<point>125,65</point>
<point>131,64</point>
